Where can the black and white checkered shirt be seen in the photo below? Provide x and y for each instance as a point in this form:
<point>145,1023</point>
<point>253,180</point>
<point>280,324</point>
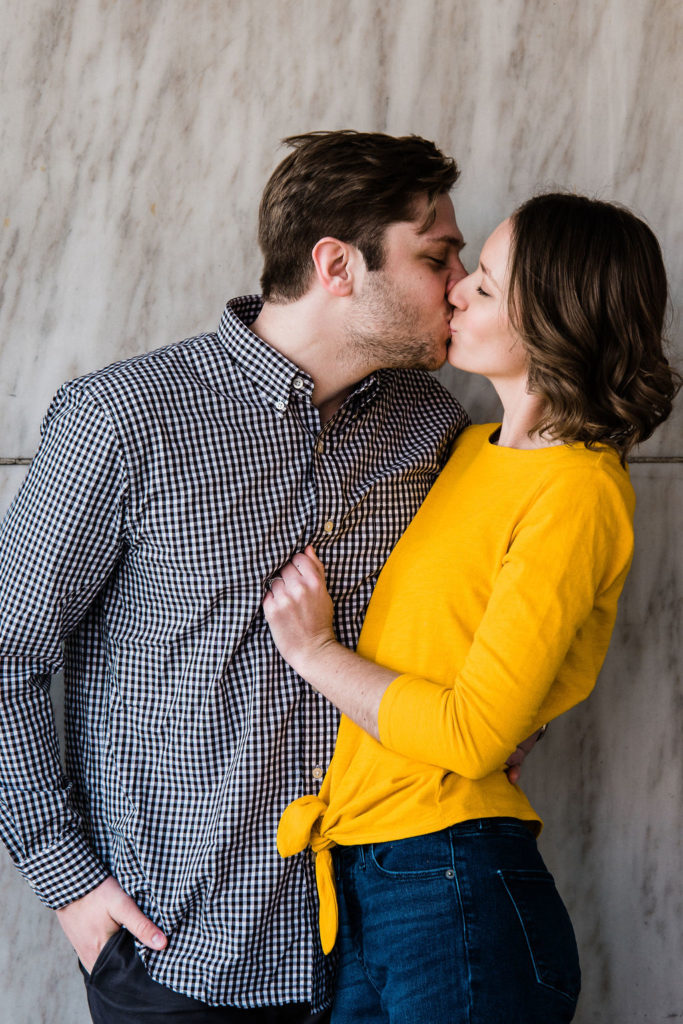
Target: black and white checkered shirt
<point>167,490</point>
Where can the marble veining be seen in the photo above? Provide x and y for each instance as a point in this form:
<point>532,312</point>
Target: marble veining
<point>609,786</point>
<point>135,138</point>
<point>10,481</point>
<point>133,149</point>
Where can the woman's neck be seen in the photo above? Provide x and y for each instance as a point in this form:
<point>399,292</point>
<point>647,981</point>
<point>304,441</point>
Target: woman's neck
<point>521,411</point>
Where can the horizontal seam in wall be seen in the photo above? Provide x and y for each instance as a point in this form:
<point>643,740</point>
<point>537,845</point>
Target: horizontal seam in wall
<point>636,458</point>
<point>656,458</point>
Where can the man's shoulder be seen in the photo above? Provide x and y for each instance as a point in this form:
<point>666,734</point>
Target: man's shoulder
<point>153,364</point>
<point>139,378</point>
<point>131,390</point>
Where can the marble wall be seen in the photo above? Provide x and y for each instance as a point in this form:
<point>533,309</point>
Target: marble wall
<point>135,136</point>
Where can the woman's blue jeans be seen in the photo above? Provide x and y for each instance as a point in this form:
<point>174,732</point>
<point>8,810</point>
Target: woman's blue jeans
<point>462,926</point>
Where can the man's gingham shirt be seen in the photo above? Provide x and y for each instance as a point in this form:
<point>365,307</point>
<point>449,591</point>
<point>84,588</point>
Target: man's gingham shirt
<point>168,489</point>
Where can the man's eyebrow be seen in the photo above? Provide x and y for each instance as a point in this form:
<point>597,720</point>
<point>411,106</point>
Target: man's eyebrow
<point>452,240</point>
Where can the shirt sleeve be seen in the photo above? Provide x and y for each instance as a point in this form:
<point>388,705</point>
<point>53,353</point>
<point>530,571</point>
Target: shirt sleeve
<point>541,642</point>
<point>59,542</point>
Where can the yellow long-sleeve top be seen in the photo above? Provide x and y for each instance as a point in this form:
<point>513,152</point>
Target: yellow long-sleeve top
<point>496,608</point>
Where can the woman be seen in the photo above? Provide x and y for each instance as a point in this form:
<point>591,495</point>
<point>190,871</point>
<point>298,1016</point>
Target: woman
<point>491,617</point>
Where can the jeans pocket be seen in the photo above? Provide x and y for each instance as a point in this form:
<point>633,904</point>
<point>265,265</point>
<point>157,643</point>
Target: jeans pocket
<point>547,929</point>
<point>425,856</point>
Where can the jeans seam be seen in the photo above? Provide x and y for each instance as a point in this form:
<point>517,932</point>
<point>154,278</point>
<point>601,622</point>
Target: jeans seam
<point>432,873</point>
<point>463,922</point>
<point>517,832</point>
<point>429,873</point>
<point>356,942</point>
<point>539,979</point>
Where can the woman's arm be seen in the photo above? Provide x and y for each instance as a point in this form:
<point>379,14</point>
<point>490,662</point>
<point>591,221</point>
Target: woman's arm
<point>540,643</point>
<point>299,612</point>
<point>564,552</point>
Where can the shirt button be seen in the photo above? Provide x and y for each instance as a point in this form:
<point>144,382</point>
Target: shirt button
<point>318,772</point>
<point>320,447</point>
<point>280,405</point>
<point>329,526</point>
<point>298,383</point>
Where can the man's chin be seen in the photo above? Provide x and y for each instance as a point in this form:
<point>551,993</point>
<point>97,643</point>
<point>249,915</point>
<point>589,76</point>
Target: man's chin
<point>419,358</point>
<point>438,358</point>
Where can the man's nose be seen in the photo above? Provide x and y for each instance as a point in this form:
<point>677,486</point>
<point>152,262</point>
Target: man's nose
<point>456,275</point>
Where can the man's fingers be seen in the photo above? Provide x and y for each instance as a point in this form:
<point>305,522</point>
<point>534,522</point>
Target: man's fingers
<point>525,747</point>
<point>89,922</point>
<point>128,914</point>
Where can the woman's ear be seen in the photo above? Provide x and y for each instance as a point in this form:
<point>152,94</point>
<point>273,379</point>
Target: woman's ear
<point>336,265</point>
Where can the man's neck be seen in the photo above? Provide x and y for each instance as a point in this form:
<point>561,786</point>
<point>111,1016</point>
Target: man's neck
<point>306,333</point>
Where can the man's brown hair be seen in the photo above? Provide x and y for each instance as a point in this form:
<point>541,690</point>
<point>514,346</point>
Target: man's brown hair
<point>588,296</point>
<point>349,185</point>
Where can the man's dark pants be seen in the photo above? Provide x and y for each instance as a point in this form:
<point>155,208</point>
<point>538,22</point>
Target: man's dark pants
<point>120,991</point>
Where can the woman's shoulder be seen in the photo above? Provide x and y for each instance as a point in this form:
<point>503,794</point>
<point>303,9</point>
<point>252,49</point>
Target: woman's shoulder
<point>571,474</point>
<point>600,466</point>
<point>588,485</point>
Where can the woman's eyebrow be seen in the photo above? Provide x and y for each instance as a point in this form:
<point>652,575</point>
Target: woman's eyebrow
<point>488,273</point>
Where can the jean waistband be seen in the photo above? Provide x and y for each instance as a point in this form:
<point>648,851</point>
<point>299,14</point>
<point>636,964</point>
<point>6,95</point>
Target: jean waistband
<point>474,826</point>
<point>492,826</point>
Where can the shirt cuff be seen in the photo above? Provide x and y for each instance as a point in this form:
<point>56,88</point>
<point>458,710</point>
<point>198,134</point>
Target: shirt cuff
<point>416,719</point>
<point>64,871</point>
<point>398,722</point>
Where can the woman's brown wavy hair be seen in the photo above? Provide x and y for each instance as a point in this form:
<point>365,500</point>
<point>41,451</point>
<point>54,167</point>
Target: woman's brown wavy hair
<point>588,296</point>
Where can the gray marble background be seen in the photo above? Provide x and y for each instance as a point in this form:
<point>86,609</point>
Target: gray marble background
<point>135,137</point>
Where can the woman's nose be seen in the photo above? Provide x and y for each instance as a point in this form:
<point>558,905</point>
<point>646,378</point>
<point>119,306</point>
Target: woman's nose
<point>456,292</point>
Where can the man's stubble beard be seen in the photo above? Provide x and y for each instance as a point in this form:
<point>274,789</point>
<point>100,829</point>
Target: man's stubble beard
<point>384,332</point>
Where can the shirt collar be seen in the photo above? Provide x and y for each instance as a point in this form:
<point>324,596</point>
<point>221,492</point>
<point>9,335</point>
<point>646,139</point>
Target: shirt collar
<point>269,370</point>
<point>277,376</point>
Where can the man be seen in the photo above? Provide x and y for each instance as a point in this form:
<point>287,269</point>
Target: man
<point>166,493</point>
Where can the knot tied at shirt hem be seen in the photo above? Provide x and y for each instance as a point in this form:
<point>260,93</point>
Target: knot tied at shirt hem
<point>300,827</point>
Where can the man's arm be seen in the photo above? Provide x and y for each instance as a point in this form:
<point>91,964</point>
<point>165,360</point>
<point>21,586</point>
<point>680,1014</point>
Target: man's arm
<point>518,756</point>
<point>58,544</point>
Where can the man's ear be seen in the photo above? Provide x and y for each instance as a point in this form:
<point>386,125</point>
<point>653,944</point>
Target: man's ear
<point>337,265</point>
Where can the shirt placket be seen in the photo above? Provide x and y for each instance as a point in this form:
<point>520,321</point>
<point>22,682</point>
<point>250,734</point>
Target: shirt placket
<point>318,719</point>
